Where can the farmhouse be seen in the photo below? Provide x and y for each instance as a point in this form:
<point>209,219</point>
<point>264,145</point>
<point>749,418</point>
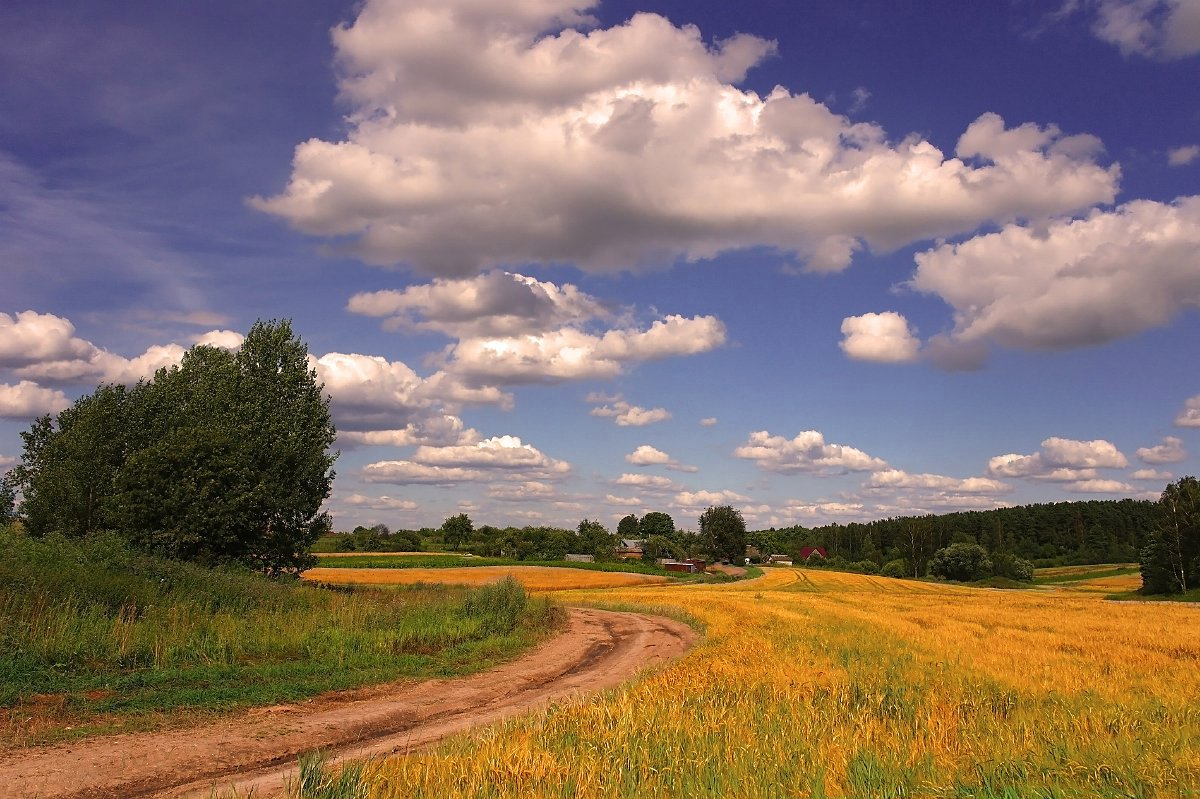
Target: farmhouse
<point>630,548</point>
<point>809,552</point>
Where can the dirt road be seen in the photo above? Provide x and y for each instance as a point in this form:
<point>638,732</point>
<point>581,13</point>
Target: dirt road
<point>258,749</point>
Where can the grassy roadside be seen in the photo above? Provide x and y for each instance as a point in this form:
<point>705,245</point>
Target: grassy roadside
<point>96,638</point>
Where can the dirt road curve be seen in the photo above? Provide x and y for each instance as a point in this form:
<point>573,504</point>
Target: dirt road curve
<point>258,749</point>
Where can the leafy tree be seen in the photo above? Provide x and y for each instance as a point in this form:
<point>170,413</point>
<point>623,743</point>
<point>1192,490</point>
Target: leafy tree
<point>1012,567</point>
<point>895,568</point>
<point>1174,548</point>
<point>628,527</point>
<point>963,562</point>
<point>596,540</point>
<point>723,532</point>
<point>457,530</point>
<point>659,546</point>
<point>223,457</point>
<point>656,523</point>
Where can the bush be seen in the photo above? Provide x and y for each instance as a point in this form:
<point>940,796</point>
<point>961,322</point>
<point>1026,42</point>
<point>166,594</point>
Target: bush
<point>865,567</point>
<point>963,562</point>
<point>1012,567</point>
<point>498,605</point>
<point>896,568</point>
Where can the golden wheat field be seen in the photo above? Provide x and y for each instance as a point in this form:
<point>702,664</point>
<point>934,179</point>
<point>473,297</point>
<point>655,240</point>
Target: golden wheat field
<point>817,684</point>
<point>534,578</point>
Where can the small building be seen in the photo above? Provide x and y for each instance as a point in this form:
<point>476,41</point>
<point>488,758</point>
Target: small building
<point>630,548</point>
<point>811,552</point>
<point>780,560</point>
<point>699,564</point>
<point>677,566</point>
<point>580,558</point>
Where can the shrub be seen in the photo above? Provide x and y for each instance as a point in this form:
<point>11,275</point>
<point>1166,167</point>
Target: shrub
<point>896,568</point>
<point>1012,567</point>
<point>865,567</point>
<point>962,562</point>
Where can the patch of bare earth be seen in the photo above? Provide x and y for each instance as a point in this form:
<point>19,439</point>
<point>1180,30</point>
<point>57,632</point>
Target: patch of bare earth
<point>257,750</point>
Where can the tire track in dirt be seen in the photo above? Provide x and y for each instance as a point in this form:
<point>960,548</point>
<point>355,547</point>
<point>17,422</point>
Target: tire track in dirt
<point>257,750</point>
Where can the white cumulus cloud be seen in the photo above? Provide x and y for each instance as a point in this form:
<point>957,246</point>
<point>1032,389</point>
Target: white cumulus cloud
<point>380,503</point>
<point>490,134</point>
<point>646,455</point>
<point>1169,451</point>
<point>1061,460</point>
<point>626,415</point>
<point>880,337</point>
<point>900,479</point>
<point>27,400</point>
<point>1150,474</point>
<point>807,452</point>
<point>1072,283</point>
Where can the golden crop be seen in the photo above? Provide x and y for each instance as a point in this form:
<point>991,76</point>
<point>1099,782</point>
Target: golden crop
<point>534,578</point>
<point>817,684</point>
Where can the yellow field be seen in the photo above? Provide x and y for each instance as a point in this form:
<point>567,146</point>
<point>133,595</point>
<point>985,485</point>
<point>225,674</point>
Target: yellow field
<point>534,578</point>
<point>1060,571</point>
<point>813,684</point>
<point>1108,585</point>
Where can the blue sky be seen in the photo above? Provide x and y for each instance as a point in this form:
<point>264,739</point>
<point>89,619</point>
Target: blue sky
<point>821,261</point>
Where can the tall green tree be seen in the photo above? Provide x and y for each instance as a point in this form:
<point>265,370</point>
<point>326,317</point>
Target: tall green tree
<point>223,457</point>
<point>656,523</point>
<point>596,540</point>
<point>628,527</point>
<point>723,531</point>
<point>1171,560</point>
<point>457,530</point>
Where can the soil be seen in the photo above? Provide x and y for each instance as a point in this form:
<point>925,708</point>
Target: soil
<point>257,750</point>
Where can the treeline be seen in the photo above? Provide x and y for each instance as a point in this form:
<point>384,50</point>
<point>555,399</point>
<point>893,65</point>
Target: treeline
<point>722,535</point>
<point>1048,534</point>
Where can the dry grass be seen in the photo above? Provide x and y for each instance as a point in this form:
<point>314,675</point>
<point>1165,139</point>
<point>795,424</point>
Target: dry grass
<point>818,684</point>
<point>534,578</point>
<point>1062,571</point>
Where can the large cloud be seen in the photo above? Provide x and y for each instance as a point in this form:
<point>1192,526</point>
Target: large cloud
<point>492,304</point>
<point>1072,283</point>
<point>1061,460</point>
<point>497,453</point>
<point>900,479</point>
<point>573,354</point>
<point>807,452</point>
<point>30,337</point>
<point>487,134</point>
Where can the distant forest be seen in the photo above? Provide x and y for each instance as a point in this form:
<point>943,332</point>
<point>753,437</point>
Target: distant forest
<point>1057,533</point>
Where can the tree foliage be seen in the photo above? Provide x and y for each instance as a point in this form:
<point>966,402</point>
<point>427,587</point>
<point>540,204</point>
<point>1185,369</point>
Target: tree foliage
<point>723,532</point>
<point>656,523</point>
<point>1170,561</point>
<point>628,527</point>
<point>596,540</point>
<point>963,562</point>
<point>221,458</point>
<point>457,530</point>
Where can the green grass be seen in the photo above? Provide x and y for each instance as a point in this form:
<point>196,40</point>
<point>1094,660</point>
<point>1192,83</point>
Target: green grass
<point>1103,571</point>
<point>93,636</point>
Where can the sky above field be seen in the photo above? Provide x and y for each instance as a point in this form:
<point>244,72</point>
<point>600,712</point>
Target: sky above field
<point>823,261</point>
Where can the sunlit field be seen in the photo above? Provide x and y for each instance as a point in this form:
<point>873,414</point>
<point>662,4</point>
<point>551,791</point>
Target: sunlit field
<point>824,684</point>
<point>534,578</point>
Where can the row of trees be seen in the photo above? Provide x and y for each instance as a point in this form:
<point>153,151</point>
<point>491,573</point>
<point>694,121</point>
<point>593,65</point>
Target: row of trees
<point>222,458</point>
<point>722,535</point>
